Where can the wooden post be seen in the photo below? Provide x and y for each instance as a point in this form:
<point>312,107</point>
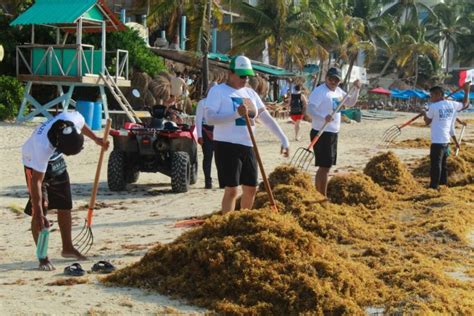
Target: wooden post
<point>79,47</point>
<point>32,34</point>
<point>103,45</point>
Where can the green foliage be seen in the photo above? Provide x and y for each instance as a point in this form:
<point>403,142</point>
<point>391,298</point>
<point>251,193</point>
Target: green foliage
<point>10,37</point>
<point>140,57</point>
<point>11,94</point>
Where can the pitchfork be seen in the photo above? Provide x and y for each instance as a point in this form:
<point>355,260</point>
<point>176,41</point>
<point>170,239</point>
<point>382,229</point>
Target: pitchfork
<point>394,131</point>
<point>85,239</point>
<point>304,156</point>
<point>461,135</point>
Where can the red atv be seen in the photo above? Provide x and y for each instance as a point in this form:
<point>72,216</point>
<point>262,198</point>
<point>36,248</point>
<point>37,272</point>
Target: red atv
<point>170,149</point>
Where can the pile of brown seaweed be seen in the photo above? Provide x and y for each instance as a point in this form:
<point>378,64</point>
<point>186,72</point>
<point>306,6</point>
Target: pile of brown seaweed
<point>414,143</point>
<point>460,168</point>
<point>412,255</point>
<point>255,262</point>
<point>355,189</point>
<point>387,170</point>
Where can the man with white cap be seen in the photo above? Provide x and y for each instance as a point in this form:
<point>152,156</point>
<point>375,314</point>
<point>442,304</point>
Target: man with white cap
<point>226,107</point>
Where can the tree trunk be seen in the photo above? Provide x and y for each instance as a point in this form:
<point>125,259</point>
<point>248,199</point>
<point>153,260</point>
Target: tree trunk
<point>389,61</point>
<point>349,70</point>
<point>447,57</point>
<point>205,64</point>
<point>416,72</point>
<point>317,79</point>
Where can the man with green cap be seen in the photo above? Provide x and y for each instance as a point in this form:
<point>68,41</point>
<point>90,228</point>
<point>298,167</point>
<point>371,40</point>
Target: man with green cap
<point>226,107</point>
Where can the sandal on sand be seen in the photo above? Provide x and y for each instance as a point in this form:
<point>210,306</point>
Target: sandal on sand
<point>103,267</point>
<point>74,269</point>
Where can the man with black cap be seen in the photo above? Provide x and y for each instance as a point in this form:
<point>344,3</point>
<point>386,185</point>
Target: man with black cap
<point>441,115</point>
<point>47,177</point>
<point>225,108</point>
<point>321,103</point>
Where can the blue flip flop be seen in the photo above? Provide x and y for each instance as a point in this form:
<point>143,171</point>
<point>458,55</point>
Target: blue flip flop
<point>74,269</point>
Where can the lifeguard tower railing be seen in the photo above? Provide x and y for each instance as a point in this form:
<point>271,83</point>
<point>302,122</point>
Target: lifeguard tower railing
<point>75,60</point>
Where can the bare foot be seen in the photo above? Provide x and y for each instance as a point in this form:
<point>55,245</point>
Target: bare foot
<point>74,254</point>
<point>46,265</point>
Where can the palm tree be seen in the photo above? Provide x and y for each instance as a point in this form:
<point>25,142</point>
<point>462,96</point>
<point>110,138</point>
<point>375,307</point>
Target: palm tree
<point>386,43</point>
<point>407,11</point>
<point>272,21</point>
<point>411,46</point>
<point>449,26</point>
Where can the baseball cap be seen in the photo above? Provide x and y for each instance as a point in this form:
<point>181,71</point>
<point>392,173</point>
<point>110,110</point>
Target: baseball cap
<point>241,66</point>
<point>70,139</point>
<point>334,72</point>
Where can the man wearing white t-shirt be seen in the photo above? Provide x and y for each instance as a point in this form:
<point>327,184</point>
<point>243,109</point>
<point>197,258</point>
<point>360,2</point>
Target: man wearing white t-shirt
<point>321,103</point>
<point>226,107</point>
<point>47,177</point>
<point>441,115</point>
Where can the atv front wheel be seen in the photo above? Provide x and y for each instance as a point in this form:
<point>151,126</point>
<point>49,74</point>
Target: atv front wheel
<point>180,171</point>
<point>116,171</point>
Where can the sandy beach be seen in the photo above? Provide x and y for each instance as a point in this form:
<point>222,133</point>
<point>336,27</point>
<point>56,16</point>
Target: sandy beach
<point>128,223</point>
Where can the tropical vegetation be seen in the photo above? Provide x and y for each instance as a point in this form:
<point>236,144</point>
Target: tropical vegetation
<point>408,38</point>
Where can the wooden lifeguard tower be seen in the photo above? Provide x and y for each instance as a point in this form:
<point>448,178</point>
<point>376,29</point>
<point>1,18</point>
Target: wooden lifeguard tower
<point>73,65</point>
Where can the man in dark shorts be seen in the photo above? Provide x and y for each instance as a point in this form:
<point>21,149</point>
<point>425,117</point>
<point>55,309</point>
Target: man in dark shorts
<point>225,108</point>
<point>322,102</point>
<point>297,102</point>
<point>441,115</point>
<point>47,177</point>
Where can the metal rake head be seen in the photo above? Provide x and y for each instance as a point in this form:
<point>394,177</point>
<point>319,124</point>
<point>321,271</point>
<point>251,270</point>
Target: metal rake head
<point>302,158</point>
<point>390,135</point>
<point>84,240</point>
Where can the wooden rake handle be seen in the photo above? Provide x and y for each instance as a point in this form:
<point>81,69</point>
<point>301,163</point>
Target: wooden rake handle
<point>321,131</point>
<point>260,165</point>
<point>410,121</point>
<point>90,211</point>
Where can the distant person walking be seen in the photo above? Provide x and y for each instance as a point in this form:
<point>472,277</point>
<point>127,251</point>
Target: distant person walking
<point>226,107</point>
<point>205,139</point>
<point>441,115</point>
<point>297,103</point>
<point>47,177</point>
<point>322,102</point>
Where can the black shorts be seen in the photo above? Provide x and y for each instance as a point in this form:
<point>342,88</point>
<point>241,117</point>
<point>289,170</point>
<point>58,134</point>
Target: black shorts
<point>56,191</point>
<point>325,149</point>
<point>236,164</point>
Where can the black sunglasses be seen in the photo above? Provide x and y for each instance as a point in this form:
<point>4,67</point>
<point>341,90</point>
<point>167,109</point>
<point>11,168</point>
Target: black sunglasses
<point>241,77</point>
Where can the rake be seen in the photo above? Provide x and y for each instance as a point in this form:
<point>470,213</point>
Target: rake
<point>303,155</point>
<point>460,137</point>
<point>85,239</point>
<point>394,131</point>
<point>260,164</point>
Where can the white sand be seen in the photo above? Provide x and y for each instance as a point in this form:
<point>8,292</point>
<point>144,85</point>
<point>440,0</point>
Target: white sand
<point>127,223</point>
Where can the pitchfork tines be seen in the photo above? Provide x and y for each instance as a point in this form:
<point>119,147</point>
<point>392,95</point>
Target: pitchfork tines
<point>302,158</point>
<point>84,240</point>
<point>390,135</point>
